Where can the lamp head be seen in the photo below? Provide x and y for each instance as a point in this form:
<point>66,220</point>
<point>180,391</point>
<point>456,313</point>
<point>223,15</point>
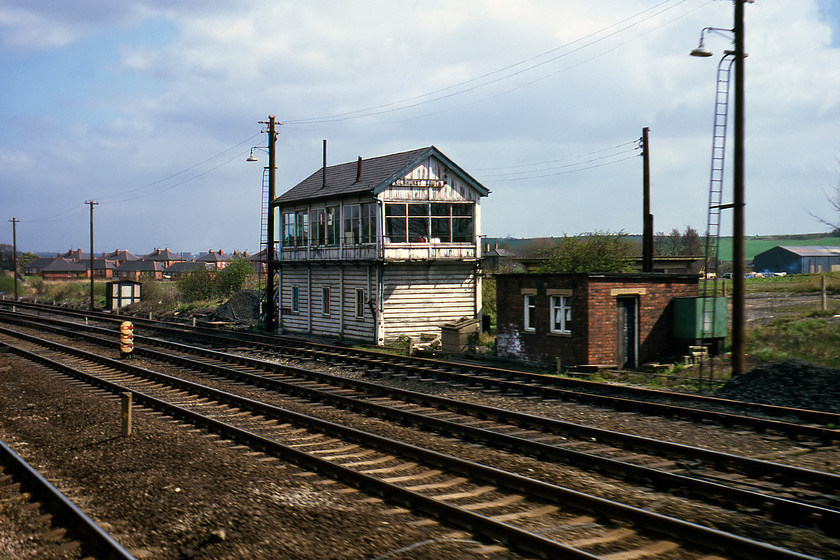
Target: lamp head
<point>701,50</point>
<point>252,157</point>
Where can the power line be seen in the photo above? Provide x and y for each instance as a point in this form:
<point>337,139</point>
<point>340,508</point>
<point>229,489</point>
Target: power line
<point>439,95</point>
<point>566,169</point>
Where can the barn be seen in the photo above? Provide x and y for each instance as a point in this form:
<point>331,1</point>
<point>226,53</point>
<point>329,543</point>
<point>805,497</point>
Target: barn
<point>378,248</point>
<point>591,319</point>
<point>798,259</point>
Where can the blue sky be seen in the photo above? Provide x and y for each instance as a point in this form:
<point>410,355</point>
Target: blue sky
<point>151,107</point>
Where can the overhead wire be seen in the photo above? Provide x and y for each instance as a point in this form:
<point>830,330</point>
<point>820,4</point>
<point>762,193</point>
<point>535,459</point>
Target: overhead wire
<point>412,102</point>
<point>143,191</point>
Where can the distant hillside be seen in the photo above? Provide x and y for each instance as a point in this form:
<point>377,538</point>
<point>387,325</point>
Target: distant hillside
<point>758,244</point>
<point>753,245</point>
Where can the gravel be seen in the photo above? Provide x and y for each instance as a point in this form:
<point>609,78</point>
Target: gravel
<point>242,307</point>
<point>792,383</point>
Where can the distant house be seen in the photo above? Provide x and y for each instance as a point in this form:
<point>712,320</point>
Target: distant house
<point>121,256</point>
<point>35,267</point>
<point>258,260</point>
<point>798,259</point>
<point>64,269</point>
<point>378,248</point>
<point>102,268</point>
<point>214,260</point>
<point>163,256</point>
<point>603,319</point>
<point>75,255</point>
<point>180,269</point>
<point>133,270</point>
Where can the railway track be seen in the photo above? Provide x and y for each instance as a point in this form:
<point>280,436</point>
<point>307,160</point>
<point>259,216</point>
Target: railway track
<point>421,468</point>
<point>783,492</point>
<point>790,422</point>
<point>60,518</point>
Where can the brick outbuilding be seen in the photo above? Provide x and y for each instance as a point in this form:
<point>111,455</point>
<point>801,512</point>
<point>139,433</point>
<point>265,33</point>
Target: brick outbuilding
<point>597,319</point>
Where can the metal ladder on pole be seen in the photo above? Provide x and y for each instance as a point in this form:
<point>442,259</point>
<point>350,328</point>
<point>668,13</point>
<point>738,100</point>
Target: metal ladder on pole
<point>264,249</point>
<point>710,263</point>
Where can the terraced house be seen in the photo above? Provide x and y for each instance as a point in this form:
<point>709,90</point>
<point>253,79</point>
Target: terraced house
<point>381,247</point>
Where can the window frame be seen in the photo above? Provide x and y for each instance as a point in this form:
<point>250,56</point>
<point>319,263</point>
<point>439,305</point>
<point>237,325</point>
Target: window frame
<point>442,222</point>
<point>529,304</point>
<point>360,303</point>
<point>295,299</point>
<point>325,301</point>
<point>563,304</point>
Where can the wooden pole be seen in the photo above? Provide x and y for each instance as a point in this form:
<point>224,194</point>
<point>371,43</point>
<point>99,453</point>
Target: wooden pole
<point>822,289</point>
<point>125,400</point>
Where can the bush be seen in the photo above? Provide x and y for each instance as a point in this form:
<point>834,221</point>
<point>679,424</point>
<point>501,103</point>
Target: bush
<point>198,285</point>
<point>232,278</point>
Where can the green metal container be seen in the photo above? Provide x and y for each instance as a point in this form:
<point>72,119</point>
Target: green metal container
<point>689,322</point>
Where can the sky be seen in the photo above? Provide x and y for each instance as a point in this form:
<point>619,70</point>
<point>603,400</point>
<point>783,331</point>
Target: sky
<point>150,108</point>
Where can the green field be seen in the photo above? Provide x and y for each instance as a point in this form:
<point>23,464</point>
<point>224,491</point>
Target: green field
<point>758,244</point>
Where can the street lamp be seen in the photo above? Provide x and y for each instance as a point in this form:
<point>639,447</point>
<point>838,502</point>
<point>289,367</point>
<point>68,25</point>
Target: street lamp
<point>271,263</point>
<point>738,265</point>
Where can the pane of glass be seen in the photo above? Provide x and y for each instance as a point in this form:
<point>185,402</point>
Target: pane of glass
<point>418,209</point>
<point>440,209</point>
<point>395,230</point>
<point>418,230</point>
<point>462,209</point>
<point>395,209</point>
<point>462,230</point>
<point>332,226</point>
<point>441,230</point>
<point>368,223</point>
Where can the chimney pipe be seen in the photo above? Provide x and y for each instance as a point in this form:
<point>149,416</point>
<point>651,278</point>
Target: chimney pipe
<point>359,169</point>
<point>324,169</point>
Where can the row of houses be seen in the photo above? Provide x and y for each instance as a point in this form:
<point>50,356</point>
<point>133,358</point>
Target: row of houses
<point>121,264</point>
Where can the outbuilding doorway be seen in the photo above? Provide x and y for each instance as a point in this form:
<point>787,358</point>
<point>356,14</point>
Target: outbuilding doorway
<point>627,332</point>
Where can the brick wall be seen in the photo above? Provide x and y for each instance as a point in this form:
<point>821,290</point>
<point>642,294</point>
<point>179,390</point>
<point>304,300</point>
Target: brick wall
<point>594,329</point>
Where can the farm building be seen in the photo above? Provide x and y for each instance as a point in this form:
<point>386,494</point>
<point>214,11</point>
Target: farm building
<point>798,259</point>
<point>595,319</point>
<point>378,248</point>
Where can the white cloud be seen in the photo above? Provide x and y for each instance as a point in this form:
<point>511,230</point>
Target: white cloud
<point>492,84</point>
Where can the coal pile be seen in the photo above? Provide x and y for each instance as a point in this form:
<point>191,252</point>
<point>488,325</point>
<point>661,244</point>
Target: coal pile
<point>792,383</point>
<point>242,307</point>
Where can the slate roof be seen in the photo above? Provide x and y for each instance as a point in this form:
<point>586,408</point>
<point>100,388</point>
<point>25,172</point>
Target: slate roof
<point>40,262</point>
<point>213,256</point>
<point>184,266</point>
<point>377,174</point>
<point>76,255</point>
<point>163,255</point>
<point>813,250</point>
<point>61,264</point>
<point>121,256</point>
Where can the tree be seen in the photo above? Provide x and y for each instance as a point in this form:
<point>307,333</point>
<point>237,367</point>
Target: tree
<point>231,279</point>
<point>691,243</point>
<point>595,252</point>
<point>833,199</point>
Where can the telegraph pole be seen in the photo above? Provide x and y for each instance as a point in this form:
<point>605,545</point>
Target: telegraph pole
<point>92,203</point>
<point>647,217</point>
<point>271,263</point>
<point>739,364</point>
<point>14,255</point>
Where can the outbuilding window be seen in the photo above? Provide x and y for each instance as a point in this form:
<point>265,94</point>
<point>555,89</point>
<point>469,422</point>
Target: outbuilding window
<point>530,305</point>
<point>561,314</point>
